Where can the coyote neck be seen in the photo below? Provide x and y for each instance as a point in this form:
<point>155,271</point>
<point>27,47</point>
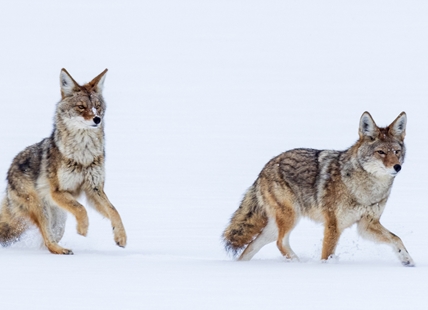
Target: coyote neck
<point>366,187</point>
<point>83,146</point>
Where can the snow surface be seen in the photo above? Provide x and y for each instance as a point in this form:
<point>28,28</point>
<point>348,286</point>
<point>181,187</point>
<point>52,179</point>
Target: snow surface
<point>200,95</point>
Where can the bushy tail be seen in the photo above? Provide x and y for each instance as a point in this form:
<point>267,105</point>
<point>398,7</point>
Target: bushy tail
<point>10,228</point>
<point>246,223</point>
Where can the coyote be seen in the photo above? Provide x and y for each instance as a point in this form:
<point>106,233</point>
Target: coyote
<point>45,179</point>
<point>336,188</point>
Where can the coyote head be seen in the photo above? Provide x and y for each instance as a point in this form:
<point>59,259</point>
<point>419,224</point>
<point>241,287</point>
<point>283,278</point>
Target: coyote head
<point>381,150</point>
<point>81,107</point>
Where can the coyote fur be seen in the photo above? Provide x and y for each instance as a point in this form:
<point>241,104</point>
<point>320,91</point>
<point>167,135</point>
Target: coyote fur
<point>45,179</point>
<point>336,188</point>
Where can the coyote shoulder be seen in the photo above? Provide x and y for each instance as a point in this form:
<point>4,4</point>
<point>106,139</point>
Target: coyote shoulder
<point>45,179</point>
<point>336,188</point>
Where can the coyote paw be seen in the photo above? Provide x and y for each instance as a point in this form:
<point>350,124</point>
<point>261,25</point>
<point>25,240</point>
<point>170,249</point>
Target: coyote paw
<point>408,263</point>
<point>82,231</point>
<point>67,252</point>
<point>56,249</point>
<point>292,259</point>
<point>405,259</point>
<point>332,259</point>
<point>119,237</point>
<point>82,227</point>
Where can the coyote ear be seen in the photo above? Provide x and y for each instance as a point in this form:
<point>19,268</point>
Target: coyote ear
<point>67,83</point>
<point>97,84</point>
<point>368,127</point>
<point>398,126</point>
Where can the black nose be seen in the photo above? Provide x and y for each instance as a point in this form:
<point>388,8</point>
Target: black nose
<point>97,120</point>
<point>397,167</point>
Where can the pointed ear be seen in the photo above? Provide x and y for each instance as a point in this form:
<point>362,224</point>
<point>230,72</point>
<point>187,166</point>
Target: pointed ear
<point>368,127</point>
<point>67,83</point>
<point>97,84</point>
<point>398,126</point>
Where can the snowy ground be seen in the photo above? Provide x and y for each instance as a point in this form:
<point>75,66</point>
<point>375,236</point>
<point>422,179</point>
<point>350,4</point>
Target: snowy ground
<point>200,96</point>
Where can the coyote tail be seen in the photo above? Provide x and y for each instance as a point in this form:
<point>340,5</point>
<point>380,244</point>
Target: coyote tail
<point>10,228</point>
<point>246,223</point>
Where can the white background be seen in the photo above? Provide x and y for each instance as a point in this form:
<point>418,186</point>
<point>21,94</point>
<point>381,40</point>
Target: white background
<point>200,95</point>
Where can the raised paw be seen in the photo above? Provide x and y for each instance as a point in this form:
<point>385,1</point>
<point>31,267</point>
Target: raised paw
<point>82,227</point>
<point>120,237</point>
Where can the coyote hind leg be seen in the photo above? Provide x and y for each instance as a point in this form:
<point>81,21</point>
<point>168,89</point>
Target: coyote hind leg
<point>268,235</point>
<point>43,224</point>
<point>57,221</point>
<point>286,222</point>
<point>33,209</point>
<point>286,219</point>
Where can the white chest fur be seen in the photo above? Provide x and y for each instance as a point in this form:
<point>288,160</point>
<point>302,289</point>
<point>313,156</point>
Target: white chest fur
<point>69,179</point>
<point>72,178</point>
<point>83,146</point>
<point>83,151</point>
<point>371,190</point>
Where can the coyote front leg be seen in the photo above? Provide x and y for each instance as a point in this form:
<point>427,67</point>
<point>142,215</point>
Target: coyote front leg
<point>102,204</point>
<point>371,228</point>
<point>331,236</point>
<point>66,201</point>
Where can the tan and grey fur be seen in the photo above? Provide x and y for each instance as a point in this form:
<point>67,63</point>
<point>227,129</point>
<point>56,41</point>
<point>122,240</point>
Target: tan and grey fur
<point>46,178</point>
<point>336,188</point>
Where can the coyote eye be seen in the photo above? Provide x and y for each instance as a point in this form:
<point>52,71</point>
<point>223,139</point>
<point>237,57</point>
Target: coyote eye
<point>81,107</point>
<point>397,152</point>
<point>381,152</point>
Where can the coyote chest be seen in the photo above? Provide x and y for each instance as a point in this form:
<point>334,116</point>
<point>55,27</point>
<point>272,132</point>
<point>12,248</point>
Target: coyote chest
<point>72,177</point>
<point>367,191</point>
<point>81,146</point>
<point>83,161</point>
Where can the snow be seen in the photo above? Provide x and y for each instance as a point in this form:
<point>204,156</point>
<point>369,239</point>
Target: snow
<point>200,96</point>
